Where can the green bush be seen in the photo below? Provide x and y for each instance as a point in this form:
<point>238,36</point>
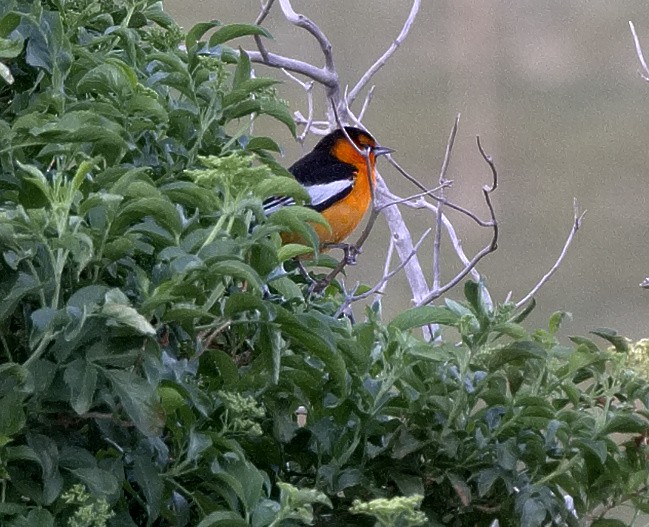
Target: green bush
<point>156,343</point>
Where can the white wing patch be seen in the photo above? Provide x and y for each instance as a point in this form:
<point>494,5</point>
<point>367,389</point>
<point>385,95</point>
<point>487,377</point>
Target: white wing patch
<point>321,193</point>
<point>276,203</point>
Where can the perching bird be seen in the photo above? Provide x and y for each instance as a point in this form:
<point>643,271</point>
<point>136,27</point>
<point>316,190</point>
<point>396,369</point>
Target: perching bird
<point>335,175</point>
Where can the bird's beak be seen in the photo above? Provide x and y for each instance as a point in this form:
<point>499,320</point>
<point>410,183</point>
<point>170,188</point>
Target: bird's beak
<point>382,150</point>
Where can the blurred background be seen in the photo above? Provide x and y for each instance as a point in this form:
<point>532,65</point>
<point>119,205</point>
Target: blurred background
<point>553,90</point>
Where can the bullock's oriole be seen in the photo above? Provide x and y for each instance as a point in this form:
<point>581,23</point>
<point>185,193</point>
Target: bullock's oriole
<point>335,175</point>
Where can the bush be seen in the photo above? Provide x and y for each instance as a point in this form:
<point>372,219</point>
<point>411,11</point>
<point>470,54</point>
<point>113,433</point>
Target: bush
<point>157,344</point>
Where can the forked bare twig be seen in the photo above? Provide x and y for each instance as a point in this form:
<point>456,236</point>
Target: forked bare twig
<point>367,76</point>
<point>438,216</point>
<point>576,224</point>
<point>489,248</point>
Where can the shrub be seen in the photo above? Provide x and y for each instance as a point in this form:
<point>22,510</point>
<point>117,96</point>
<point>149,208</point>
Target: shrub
<point>157,342</point>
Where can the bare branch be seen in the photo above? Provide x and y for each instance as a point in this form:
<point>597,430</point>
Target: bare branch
<point>265,9</point>
<point>489,248</point>
<point>389,52</point>
<point>402,241</point>
<point>638,49</point>
<point>439,199</point>
<point>386,266</point>
<point>415,197</point>
<point>366,102</point>
<point>450,230</point>
<point>350,299</point>
<point>438,217</point>
<point>576,224</point>
<point>296,66</point>
<point>308,88</point>
<point>306,23</point>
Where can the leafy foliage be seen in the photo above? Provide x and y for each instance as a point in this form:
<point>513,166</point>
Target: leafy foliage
<point>156,343</point>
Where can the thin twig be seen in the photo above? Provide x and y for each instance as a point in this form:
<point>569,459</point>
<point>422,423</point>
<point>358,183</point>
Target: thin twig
<point>398,201</point>
<point>386,265</point>
<point>439,199</point>
<point>367,76</point>
<point>308,88</point>
<point>487,249</point>
<point>450,230</point>
<point>265,9</point>
<point>638,49</point>
<point>576,224</point>
<point>366,102</point>
<point>437,242</point>
<point>350,299</point>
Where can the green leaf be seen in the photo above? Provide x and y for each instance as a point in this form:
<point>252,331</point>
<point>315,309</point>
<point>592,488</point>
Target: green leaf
<point>8,23</point>
<point>486,478</point>
<point>478,297</point>
<point>621,344</point>
<point>291,250</point>
<point>625,424</point>
<point>223,519</point>
<point>257,144</point>
<point>111,76</point>
<point>522,315</point>
<point>81,377</point>
<point>35,518</point>
<point>10,48</point>
<point>232,31</point>
<point>23,285</point>
<point>516,351</point>
<point>423,315</point>
<point>244,88</point>
<point>281,186</point>
<point>163,211</point>
<point>48,457</point>
<point>148,478</point>
<point>279,111</point>
<point>241,75</point>
<point>100,483</point>
<point>197,31</point>
<point>12,416</point>
<point>556,320</point>
<point>117,311</point>
<point>139,399</point>
<point>295,218</point>
<point>237,269</point>
<point>533,514</point>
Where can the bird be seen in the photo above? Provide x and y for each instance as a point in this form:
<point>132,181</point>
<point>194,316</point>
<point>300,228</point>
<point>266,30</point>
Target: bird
<point>335,175</point>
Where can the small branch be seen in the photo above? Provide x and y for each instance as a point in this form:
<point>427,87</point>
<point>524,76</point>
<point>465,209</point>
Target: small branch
<point>576,224</point>
<point>438,217</point>
<point>296,66</point>
<point>415,197</point>
<point>366,102</point>
<point>308,88</point>
<point>638,49</point>
<point>350,299</point>
<point>439,199</point>
<point>265,9</point>
<point>386,265</point>
<point>450,230</point>
<point>489,248</point>
<point>306,23</point>
<point>367,76</point>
